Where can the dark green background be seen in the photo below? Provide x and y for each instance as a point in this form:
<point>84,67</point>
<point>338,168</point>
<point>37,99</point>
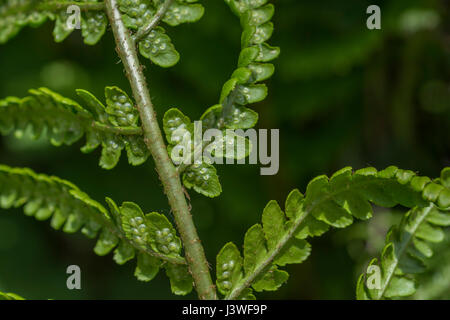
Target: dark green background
<point>342,95</point>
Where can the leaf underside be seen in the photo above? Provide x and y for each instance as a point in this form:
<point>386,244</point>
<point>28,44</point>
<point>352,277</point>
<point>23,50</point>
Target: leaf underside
<point>45,113</point>
<point>126,230</point>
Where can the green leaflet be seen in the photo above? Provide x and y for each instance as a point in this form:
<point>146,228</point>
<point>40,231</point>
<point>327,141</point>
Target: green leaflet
<point>124,253</point>
<point>63,121</point>
<point>244,88</point>
<point>180,279</point>
<point>106,242</point>
<point>194,153</point>
<point>126,230</point>
<point>203,179</point>
<point>120,108</point>
<point>134,223</point>
<point>176,125</point>
<point>147,267</point>
<point>229,268</point>
<point>240,6</point>
<point>271,280</point>
<point>239,117</point>
<point>156,45</point>
<point>15,14</point>
<point>136,13</point>
<point>255,251</point>
<point>180,134</point>
<point>335,202</point>
<point>182,11</point>
<point>184,150</point>
<point>164,234</point>
<point>408,245</point>
<point>10,296</point>
<point>93,26</point>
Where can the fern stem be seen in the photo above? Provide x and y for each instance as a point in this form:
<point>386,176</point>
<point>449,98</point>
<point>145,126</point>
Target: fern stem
<point>195,256</point>
<point>142,32</point>
<point>59,5</point>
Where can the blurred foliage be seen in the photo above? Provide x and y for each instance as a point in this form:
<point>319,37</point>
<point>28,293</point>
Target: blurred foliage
<point>341,95</point>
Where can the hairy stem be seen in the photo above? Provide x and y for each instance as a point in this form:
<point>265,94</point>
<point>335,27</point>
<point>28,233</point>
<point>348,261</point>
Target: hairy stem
<point>195,256</point>
<point>142,32</point>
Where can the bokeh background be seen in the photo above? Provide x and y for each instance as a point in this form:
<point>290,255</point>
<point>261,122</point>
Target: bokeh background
<point>342,95</point>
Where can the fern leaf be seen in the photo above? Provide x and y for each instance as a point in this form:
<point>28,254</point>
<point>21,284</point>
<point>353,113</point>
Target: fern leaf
<point>244,87</point>
<point>182,11</point>
<point>158,47</point>
<point>63,121</point>
<point>126,230</point>
<point>180,278</point>
<point>202,177</point>
<point>184,148</point>
<point>328,202</point>
<point>16,14</point>
<point>408,245</point>
<point>155,43</point>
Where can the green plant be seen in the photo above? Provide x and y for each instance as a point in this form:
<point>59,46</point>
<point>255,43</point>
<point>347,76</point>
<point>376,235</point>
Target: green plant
<point>121,124</point>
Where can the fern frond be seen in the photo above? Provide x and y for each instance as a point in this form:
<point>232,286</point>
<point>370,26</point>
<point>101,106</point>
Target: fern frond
<point>16,14</point>
<point>186,152</point>
<point>10,296</point>
<point>64,121</point>
<point>153,42</point>
<point>244,87</point>
<point>179,131</point>
<point>408,245</point>
<point>126,230</point>
<point>334,202</point>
